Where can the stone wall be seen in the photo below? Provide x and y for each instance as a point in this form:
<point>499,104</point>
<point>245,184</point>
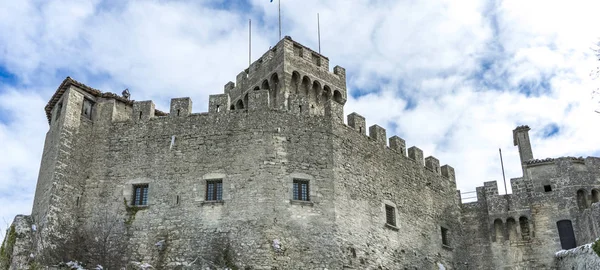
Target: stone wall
<point>579,258</point>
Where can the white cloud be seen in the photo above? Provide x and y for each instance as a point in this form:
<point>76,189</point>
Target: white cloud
<point>426,54</point>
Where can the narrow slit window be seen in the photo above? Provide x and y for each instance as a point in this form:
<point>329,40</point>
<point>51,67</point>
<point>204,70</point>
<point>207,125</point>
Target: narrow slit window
<point>301,190</point>
<point>140,115</point>
<point>140,194</point>
<point>390,215</point>
<point>445,237</point>
<point>214,190</point>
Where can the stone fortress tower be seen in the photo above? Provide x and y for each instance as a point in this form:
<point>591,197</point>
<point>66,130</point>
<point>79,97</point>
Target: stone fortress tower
<point>272,178</point>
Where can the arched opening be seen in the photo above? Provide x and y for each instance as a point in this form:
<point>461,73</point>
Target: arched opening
<point>314,94</point>
<point>265,85</point>
<point>566,234</point>
<point>295,82</point>
<point>305,87</point>
<point>239,105</point>
<point>246,99</point>
<point>595,196</point>
<point>337,96</point>
<point>582,199</point>
<point>498,230</point>
<point>232,107</point>
<point>511,225</point>
<point>256,88</point>
<point>274,92</point>
<point>524,224</point>
<point>326,94</point>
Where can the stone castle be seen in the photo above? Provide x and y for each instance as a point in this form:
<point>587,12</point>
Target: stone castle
<point>272,178</point>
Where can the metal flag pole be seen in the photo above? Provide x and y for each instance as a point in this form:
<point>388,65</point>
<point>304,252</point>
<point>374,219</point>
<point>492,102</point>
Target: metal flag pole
<point>319,31</point>
<point>249,41</point>
<point>503,177</point>
<point>279,3</point>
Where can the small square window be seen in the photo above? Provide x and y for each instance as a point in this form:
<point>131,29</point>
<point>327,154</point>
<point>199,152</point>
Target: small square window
<point>88,106</point>
<point>140,194</point>
<point>214,190</point>
<point>390,215</point>
<point>547,188</point>
<point>445,239</point>
<point>301,190</point>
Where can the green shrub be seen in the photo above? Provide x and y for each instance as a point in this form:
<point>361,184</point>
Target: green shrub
<point>596,247</point>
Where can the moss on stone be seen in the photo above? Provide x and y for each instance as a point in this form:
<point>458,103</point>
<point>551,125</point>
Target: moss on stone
<point>7,247</point>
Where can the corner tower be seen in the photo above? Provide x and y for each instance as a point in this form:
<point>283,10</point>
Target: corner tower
<point>297,79</point>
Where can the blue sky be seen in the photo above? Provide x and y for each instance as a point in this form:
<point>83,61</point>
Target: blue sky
<point>451,77</point>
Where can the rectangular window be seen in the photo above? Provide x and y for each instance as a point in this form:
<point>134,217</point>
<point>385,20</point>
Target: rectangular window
<point>140,194</point>
<point>445,240</point>
<point>547,188</point>
<point>88,105</point>
<point>390,215</point>
<point>301,190</point>
<point>214,190</point>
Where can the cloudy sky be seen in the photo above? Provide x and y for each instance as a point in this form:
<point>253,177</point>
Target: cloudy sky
<point>451,77</point>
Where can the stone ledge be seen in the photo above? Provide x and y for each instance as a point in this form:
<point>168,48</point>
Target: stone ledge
<point>302,203</point>
<point>220,202</point>
<point>392,227</point>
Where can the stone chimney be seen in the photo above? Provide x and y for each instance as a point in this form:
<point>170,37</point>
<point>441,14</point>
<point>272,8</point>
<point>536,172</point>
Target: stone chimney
<point>521,139</point>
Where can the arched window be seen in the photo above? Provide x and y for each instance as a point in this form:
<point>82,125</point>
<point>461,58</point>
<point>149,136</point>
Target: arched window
<point>582,199</point>
<point>232,107</point>
<point>337,96</point>
<point>326,94</point>
<point>524,224</point>
<point>256,88</point>
<point>239,105</point>
<point>511,225</point>
<point>314,93</point>
<point>595,196</point>
<point>295,81</point>
<point>566,234</point>
<point>498,230</point>
<point>265,85</point>
<point>274,91</point>
<point>305,87</point>
<point>246,99</point>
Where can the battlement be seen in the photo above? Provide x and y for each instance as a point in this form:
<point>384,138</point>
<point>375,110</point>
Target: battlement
<point>297,78</point>
<point>377,134</point>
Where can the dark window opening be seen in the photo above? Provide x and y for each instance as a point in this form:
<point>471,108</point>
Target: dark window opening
<point>77,201</point>
<point>140,194</point>
<point>87,109</point>
<point>58,110</point>
<point>390,215</point>
<point>445,237</point>
<point>140,115</point>
<point>177,200</point>
<point>566,234</point>
<point>218,108</point>
<point>524,224</point>
<point>214,190</point>
<point>300,107</point>
<point>301,192</point>
<point>547,188</point>
<point>178,111</point>
<point>595,196</point>
<point>232,107</point>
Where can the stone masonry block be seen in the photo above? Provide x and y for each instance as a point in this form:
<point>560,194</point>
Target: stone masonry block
<point>180,107</point>
<point>416,154</point>
<point>334,110</point>
<point>258,100</point>
<point>491,188</point>
<point>228,87</point>
<point>433,164</point>
<point>143,110</point>
<point>357,122</point>
<point>448,171</point>
<point>218,103</point>
<point>377,133</point>
<point>398,144</point>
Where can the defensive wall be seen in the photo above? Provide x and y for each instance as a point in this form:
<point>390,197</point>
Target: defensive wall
<point>372,204</point>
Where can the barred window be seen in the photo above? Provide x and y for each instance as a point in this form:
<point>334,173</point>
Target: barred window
<point>301,190</point>
<point>390,215</point>
<point>214,190</point>
<point>140,194</point>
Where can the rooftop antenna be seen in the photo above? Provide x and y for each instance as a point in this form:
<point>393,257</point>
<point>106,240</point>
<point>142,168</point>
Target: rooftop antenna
<point>319,31</point>
<point>503,177</point>
<point>279,3</point>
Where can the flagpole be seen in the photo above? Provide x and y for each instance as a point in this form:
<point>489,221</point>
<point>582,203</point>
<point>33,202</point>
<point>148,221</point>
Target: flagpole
<point>249,41</point>
<point>319,31</point>
<point>279,2</point>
